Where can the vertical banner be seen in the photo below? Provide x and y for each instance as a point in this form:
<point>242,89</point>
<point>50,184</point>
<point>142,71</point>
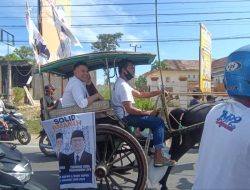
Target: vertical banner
<point>205,59</point>
<point>56,29</point>
<point>73,138</point>
<point>36,41</point>
<point>49,30</point>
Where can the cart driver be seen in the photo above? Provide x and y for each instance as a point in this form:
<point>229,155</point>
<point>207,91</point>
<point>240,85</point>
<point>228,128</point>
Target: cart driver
<point>75,92</point>
<point>122,101</point>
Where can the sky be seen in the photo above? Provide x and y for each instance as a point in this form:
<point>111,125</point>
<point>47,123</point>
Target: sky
<point>178,25</point>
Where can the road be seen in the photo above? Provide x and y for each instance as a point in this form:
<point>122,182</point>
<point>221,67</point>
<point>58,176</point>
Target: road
<point>46,169</point>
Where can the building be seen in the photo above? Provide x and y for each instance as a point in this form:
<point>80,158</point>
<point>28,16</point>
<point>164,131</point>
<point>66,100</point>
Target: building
<point>178,76</point>
<point>218,74</point>
<point>176,72</point>
<point>20,71</point>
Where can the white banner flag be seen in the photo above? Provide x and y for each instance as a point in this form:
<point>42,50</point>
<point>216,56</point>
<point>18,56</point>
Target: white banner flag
<point>36,41</point>
<point>61,24</point>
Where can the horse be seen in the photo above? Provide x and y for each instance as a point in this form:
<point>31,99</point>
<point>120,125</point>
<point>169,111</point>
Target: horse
<point>183,136</point>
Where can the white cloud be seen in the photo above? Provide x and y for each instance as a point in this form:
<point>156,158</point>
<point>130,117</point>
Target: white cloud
<point>78,51</point>
<point>89,33</point>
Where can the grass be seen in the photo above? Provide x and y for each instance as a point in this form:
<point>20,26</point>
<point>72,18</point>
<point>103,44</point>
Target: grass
<point>33,126</point>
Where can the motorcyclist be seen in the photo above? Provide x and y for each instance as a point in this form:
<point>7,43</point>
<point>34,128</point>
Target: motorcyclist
<point>3,124</point>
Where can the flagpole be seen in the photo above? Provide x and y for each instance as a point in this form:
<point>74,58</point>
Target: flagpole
<point>39,21</point>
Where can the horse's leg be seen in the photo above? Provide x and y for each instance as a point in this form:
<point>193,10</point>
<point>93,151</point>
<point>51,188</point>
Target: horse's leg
<point>163,181</point>
<point>177,151</point>
<point>174,145</point>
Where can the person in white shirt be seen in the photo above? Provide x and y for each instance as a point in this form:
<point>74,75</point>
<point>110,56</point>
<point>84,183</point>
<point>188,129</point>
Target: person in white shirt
<point>224,155</point>
<point>75,92</point>
<point>122,102</point>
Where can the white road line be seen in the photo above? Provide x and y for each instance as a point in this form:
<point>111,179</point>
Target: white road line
<point>27,146</point>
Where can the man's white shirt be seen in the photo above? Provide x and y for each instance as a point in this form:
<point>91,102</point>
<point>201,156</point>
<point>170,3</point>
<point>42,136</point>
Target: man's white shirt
<point>122,92</point>
<point>224,154</point>
<point>75,93</point>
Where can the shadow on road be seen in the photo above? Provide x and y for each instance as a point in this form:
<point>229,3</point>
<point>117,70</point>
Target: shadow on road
<point>48,179</point>
<point>184,184</point>
<point>38,157</point>
<point>182,167</point>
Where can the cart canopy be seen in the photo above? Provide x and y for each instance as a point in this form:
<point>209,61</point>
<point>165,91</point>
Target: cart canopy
<point>98,60</point>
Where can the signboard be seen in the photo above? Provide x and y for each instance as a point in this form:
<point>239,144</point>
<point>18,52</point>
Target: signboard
<point>73,138</point>
<point>50,33</point>
<point>205,59</point>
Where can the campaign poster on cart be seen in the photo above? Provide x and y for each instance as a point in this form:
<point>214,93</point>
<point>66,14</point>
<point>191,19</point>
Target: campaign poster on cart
<point>73,138</point>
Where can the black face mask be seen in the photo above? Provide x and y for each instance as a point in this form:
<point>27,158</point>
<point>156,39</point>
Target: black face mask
<point>128,76</point>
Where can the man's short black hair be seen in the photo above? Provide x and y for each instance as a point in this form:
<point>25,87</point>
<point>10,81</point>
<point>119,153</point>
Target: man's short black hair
<point>196,96</point>
<point>77,64</point>
<point>77,133</point>
<point>59,135</point>
<point>123,64</point>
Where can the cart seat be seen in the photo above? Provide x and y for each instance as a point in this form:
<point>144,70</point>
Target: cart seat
<point>97,107</point>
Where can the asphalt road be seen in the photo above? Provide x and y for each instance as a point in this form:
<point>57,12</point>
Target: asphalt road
<point>46,169</point>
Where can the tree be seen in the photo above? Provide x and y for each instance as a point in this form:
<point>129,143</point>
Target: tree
<point>141,83</point>
<point>106,42</point>
<point>10,57</point>
<point>25,53</point>
<point>157,65</point>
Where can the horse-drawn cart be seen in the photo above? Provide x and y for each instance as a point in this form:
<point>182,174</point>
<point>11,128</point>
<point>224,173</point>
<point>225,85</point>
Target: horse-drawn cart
<point>121,159</point>
<point>119,156</point>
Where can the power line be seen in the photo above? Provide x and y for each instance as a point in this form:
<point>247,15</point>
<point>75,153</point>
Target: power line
<point>140,15</point>
<point>137,3</point>
<point>140,23</point>
<point>163,40</point>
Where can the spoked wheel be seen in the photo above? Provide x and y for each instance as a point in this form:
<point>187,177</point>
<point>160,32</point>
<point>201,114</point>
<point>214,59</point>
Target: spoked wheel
<point>45,146</point>
<point>23,136</point>
<point>120,159</point>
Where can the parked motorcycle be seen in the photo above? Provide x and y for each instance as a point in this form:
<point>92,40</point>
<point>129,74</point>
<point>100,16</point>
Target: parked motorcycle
<point>16,127</point>
<point>15,170</point>
<point>45,145</point>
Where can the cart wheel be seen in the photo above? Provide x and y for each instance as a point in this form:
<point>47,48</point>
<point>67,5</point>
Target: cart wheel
<point>45,146</point>
<point>120,159</point>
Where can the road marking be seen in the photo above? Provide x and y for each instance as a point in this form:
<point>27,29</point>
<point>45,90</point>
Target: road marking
<point>27,146</point>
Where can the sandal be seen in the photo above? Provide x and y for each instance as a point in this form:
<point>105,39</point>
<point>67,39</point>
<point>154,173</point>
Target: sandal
<point>166,162</point>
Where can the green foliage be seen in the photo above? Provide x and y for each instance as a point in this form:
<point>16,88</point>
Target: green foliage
<point>18,94</point>
<point>157,65</point>
<point>33,126</point>
<point>24,52</point>
<point>141,83</point>
<point>10,57</point>
<point>144,104</point>
<point>106,42</point>
<point>104,91</point>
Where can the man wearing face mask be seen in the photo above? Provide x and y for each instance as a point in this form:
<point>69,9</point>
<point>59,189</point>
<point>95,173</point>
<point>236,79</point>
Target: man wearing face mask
<point>122,101</point>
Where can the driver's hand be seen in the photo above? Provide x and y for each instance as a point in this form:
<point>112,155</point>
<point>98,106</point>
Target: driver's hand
<point>154,113</point>
<point>101,97</point>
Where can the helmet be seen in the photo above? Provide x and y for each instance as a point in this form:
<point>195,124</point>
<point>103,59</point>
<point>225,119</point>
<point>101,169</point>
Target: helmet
<point>237,73</point>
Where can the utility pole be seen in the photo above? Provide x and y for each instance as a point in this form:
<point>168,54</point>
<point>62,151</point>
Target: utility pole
<point>8,39</point>
<point>135,46</point>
